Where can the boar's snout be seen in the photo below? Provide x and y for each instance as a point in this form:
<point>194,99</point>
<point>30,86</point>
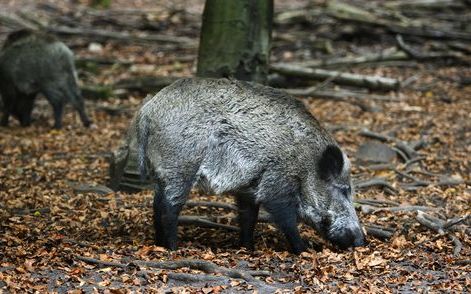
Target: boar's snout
<point>350,237</point>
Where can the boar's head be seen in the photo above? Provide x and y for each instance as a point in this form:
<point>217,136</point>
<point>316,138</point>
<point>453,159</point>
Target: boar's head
<point>326,202</point>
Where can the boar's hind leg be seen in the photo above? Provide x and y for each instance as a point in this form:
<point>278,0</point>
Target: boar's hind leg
<point>79,105</point>
<point>248,214</point>
<point>285,217</point>
<point>27,102</point>
<point>56,99</point>
<point>169,198</point>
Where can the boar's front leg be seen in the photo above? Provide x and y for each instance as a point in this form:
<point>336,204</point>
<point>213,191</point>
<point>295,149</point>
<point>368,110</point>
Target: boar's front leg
<point>285,217</point>
<point>248,215</point>
<point>169,198</point>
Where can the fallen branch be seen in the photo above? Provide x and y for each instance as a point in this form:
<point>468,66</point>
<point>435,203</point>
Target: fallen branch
<point>438,225</point>
<point>194,264</point>
<point>375,202</point>
<point>457,245</point>
<point>375,182</point>
<point>371,82</point>
<point>196,278</point>
<point>378,232</point>
<point>204,222</point>
<point>90,260</point>
<point>370,134</point>
<point>406,26</point>
<point>88,188</point>
<point>406,208</point>
<point>340,95</point>
<point>201,265</point>
<point>145,83</point>
<point>211,204</point>
<point>415,181</point>
<point>183,42</point>
<point>388,55</point>
<point>455,221</point>
<point>415,54</point>
<point>430,223</point>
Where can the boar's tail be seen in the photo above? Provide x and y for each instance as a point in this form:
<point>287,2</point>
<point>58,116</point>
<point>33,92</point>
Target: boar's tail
<point>142,130</point>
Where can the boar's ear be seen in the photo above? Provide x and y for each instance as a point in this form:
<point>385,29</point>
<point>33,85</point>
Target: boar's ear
<point>331,163</point>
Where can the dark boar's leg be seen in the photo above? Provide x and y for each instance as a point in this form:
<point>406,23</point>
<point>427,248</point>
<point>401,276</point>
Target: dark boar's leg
<point>8,98</point>
<point>157,206</point>
<point>248,215</point>
<point>58,109</point>
<point>56,99</point>
<point>169,198</point>
<point>25,108</point>
<point>79,105</point>
<point>285,217</point>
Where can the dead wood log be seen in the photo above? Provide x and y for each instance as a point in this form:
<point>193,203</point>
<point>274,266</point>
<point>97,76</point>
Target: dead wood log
<point>405,26</point>
<point>424,4</point>
<point>417,55</point>
<point>387,55</point>
<point>371,82</point>
<point>122,36</point>
<point>145,83</point>
<point>340,95</point>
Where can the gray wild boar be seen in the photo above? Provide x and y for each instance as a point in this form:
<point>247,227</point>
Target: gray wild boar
<point>33,63</point>
<point>251,141</point>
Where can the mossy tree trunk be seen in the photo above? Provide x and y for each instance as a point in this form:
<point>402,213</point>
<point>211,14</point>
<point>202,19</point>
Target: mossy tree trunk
<point>235,39</point>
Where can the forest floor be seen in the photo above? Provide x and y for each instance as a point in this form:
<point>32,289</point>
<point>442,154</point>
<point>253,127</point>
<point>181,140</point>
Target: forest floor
<point>49,225</point>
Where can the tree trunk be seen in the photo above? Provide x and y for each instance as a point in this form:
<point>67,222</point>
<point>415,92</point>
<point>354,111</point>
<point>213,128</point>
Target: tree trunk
<point>235,39</point>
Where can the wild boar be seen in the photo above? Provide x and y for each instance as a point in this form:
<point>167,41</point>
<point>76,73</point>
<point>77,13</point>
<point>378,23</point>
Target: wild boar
<point>251,141</point>
<point>33,63</point>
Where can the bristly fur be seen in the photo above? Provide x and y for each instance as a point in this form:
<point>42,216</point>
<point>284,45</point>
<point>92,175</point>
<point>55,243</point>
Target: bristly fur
<point>251,141</point>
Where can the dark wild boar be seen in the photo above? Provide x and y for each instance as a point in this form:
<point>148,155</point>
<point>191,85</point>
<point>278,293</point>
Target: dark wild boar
<point>33,63</point>
<point>251,141</point>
